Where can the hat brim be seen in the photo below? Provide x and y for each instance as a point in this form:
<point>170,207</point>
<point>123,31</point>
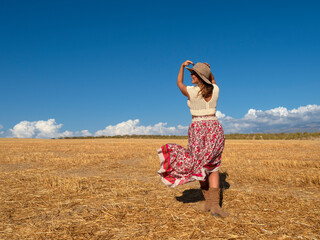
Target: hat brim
<point>200,75</point>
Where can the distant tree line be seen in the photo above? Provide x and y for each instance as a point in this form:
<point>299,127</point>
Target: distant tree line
<point>249,136</point>
<point>129,136</point>
<point>274,136</point>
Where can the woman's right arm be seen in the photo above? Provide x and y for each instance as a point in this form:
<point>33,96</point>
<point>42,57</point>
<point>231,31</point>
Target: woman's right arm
<point>182,87</point>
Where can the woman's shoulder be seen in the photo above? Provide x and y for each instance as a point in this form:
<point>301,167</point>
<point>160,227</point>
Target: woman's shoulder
<point>192,89</point>
<point>195,87</point>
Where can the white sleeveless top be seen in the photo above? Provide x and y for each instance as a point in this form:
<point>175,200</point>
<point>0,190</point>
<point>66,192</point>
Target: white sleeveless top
<point>198,106</point>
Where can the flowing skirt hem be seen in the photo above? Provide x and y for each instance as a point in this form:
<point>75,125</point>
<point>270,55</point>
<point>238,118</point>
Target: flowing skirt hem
<point>172,181</point>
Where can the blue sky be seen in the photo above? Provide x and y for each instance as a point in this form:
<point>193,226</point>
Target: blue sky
<point>92,64</point>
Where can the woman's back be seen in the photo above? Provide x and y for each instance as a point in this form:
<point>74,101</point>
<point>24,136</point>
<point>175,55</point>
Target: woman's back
<point>200,106</point>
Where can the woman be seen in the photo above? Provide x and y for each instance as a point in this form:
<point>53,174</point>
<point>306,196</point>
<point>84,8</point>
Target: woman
<point>202,159</point>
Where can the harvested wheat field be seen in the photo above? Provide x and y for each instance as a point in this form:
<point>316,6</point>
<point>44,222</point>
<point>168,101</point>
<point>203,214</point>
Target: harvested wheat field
<point>109,189</point>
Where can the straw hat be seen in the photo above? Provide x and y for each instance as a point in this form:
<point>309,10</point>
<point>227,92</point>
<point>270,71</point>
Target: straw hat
<point>202,70</point>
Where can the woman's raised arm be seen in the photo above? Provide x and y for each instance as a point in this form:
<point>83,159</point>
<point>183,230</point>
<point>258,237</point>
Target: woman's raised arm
<point>211,76</point>
<point>182,87</point>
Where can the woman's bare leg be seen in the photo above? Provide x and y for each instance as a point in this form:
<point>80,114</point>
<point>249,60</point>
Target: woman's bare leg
<point>214,179</point>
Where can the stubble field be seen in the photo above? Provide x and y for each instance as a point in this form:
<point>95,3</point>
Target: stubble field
<point>110,189</point>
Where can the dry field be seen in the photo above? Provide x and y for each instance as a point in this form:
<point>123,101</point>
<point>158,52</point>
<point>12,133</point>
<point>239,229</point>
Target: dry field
<point>109,189</point>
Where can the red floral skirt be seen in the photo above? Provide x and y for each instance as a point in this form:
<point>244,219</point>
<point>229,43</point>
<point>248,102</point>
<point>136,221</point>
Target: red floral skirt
<point>205,145</point>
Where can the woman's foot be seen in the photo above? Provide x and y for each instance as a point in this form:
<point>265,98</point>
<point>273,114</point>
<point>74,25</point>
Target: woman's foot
<point>213,197</point>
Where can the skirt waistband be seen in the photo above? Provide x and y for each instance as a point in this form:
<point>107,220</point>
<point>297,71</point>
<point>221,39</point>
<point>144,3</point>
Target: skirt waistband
<point>206,117</point>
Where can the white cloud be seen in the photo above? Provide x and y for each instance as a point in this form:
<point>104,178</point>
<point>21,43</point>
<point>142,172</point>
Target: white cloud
<point>37,129</point>
<point>280,119</point>
<point>1,132</point>
<point>132,127</point>
<point>66,134</point>
<point>83,133</point>
<point>42,129</point>
<point>23,129</point>
<point>305,118</point>
<point>220,114</point>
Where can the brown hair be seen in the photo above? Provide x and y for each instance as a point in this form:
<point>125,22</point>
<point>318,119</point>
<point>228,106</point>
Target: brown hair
<point>205,88</point>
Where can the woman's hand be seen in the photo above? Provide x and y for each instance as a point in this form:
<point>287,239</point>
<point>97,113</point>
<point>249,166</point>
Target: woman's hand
<point>186,63</point>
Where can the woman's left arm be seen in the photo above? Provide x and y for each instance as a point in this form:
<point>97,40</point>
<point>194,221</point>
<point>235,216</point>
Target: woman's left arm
<point>212,79</point>
<point>211,76</point>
